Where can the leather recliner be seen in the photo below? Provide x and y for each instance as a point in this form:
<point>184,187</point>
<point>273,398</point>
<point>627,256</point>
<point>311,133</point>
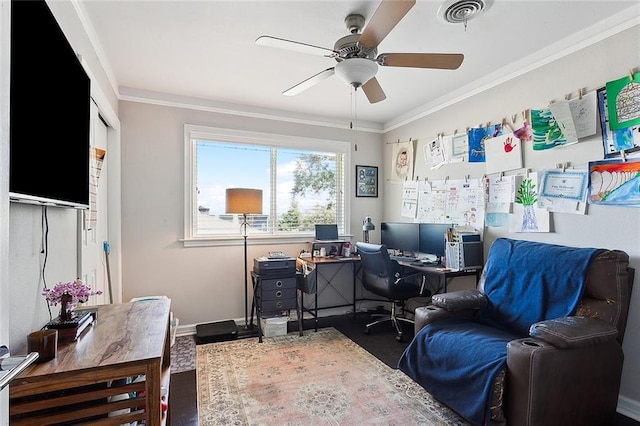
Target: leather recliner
<point>568,370</point>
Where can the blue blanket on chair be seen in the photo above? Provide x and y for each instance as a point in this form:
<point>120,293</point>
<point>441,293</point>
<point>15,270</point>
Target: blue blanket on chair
<point>457,360</point>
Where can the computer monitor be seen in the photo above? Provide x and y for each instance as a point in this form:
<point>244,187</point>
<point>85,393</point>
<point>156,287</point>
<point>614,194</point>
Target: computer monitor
<point>326,232</point>
<point>432,238</point>
<point>400,236</point>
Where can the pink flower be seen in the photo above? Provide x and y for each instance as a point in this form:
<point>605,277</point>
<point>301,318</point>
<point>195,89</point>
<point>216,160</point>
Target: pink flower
<point>78,291</point>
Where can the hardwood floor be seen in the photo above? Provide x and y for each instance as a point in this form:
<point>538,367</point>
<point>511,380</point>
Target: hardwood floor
<point>183,408</point>
<point>380,342</point>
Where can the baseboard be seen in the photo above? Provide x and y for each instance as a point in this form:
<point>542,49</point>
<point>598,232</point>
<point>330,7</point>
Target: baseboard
<point>190,329</point>
<point>629,408</point>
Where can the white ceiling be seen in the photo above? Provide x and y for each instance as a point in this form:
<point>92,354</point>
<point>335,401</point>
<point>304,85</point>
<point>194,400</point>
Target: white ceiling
<point>206,49</point>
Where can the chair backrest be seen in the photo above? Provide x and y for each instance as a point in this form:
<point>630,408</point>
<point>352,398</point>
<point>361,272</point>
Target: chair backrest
<point>607,294</point>
<point>378,270</point>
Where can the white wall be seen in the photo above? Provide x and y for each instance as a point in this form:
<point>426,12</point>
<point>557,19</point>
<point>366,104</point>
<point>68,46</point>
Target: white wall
<point>603,226</point>
<point>204,283</point>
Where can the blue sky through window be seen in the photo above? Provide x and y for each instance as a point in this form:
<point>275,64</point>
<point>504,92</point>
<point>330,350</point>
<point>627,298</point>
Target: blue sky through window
<point>229,165</point>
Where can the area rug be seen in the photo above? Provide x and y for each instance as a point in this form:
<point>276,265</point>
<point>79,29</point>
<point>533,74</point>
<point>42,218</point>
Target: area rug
<point>183,354</point>
<point>320,378</point>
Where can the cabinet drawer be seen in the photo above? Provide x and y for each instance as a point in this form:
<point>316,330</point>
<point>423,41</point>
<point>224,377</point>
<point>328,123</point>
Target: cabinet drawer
<point>267,284</point>
<point>276,305</point>
<point>278,294</point>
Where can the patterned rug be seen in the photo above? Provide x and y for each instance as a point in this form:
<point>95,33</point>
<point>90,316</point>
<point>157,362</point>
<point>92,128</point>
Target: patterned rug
<point>183,354</point>
<point>320,378</point>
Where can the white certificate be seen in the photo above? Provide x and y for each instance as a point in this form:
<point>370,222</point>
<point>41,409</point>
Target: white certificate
<point>568,185</point>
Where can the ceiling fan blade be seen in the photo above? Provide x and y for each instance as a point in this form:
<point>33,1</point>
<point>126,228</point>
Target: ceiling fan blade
<point>373,91</point>
<point>446,61</point>
<point>310,82</point>
<point>297,46</point>
<point>384,19</point>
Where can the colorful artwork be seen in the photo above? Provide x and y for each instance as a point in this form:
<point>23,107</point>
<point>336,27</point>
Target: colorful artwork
<point>524,133</point>
<point>546,131</point>
<point>503,153</point>
<point>615,141</point>
<point>614,183</point>
<point>526,216</point>
<point>624,105</point>
<point>477,137</point>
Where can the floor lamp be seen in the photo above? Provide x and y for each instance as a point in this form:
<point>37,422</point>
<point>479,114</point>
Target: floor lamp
<point>367,226</point>
<point>244,201</point>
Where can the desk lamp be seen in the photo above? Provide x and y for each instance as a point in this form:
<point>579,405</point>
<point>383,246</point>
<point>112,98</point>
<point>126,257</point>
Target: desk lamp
<point>244,201</point>
<point>367,226</point>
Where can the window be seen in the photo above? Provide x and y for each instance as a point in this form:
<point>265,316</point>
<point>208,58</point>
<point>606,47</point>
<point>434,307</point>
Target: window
<point>302,182</point>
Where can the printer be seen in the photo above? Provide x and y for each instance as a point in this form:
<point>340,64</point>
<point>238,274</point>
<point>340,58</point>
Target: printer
<point>280,267</point>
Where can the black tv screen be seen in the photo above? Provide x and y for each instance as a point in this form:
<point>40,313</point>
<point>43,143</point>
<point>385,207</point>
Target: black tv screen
<point>49,112</point>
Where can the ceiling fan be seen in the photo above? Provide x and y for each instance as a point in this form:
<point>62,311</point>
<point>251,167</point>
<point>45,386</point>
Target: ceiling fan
<point>356,53</point>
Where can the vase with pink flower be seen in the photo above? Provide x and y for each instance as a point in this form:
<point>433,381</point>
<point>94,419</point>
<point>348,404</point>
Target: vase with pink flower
<point>68,294</point>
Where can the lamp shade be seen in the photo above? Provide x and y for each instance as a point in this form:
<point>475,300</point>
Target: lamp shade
<point>244,201</point>
<point>367,225</point>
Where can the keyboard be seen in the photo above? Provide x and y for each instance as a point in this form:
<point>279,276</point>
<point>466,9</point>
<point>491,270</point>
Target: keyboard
<point>403,258</point>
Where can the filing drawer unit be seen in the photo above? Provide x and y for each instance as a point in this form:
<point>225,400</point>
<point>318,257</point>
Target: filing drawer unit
<point>276,294</point>
<point>273,294</point>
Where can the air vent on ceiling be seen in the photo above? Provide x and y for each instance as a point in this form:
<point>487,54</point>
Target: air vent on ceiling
<point>461,11</point>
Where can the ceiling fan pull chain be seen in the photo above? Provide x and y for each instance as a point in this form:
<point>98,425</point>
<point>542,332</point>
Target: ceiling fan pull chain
<point>354,113</point>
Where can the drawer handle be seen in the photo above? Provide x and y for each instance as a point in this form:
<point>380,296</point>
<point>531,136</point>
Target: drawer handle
<point>278,293</point>
<point>278,304</point>
<point>278,283</point>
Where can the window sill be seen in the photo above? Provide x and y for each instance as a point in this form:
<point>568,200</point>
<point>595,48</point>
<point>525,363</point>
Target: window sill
<point>251,240</point>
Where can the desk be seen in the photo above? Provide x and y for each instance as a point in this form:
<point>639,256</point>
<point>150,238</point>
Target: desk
<point>443,274</point>
<point>127,340</point>
<point>320,262</point>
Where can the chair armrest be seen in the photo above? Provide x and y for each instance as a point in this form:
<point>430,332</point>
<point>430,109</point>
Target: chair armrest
<point>574,331</point>
<point>459,300</point>
<point>546,383</point>
<point>424,315</point>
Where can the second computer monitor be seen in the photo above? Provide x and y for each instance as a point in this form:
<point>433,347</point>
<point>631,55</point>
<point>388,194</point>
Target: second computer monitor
<point>432,238</point>
<point>402,236</point>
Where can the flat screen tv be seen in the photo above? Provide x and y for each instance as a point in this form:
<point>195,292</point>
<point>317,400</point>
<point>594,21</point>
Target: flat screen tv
<point>49,112</point>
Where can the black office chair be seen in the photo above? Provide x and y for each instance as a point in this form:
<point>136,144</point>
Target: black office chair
<point>384,277</point>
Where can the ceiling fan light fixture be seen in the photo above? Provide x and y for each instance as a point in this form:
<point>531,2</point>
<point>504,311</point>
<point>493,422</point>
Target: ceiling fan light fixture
<point>462,11</point>
<point>356,71</point>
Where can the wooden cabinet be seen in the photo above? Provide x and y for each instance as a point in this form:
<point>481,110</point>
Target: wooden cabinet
<point>86,381</point>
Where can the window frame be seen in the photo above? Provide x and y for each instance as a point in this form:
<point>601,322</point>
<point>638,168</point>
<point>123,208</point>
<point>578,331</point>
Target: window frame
<point>197,132</point>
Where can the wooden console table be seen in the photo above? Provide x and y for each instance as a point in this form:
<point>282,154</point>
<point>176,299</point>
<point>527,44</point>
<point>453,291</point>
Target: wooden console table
<point>127,340</point>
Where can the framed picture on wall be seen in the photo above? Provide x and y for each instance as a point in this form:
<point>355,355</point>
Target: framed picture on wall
<point>366,181</point>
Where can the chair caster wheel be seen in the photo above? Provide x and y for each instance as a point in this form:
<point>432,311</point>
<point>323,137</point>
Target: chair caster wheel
<point>367,331</point>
